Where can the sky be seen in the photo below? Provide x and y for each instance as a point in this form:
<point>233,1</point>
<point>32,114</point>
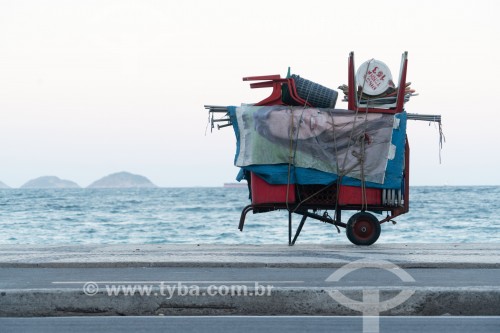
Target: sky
<point>89,88</point>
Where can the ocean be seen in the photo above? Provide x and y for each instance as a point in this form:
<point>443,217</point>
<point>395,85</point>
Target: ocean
<point>445,214</point>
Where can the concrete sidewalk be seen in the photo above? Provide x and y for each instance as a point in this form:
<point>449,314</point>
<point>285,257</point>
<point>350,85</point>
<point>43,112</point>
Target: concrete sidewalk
<point>441,279</point>
<point>462,255</point>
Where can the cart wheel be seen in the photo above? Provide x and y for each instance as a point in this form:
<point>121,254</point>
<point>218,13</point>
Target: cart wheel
<point>363,229</point>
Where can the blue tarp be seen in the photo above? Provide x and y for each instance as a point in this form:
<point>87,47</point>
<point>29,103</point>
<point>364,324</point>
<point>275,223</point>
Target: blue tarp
<point>284,173</point>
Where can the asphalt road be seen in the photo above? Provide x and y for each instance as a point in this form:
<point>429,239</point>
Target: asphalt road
<point>243,324</point>
<point>73,278</point>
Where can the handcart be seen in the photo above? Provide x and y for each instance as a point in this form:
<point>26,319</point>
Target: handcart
<point>316,200</point>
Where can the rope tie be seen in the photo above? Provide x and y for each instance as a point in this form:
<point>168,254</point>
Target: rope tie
<point>364,202</point>
<point>441,139</point>
<point>290,158</point>
<point>342,171</point>
<point>364,139</point>
<point>292,151</point>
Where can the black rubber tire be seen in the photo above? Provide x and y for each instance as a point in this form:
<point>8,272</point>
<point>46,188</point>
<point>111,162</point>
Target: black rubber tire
<point>363,229</point>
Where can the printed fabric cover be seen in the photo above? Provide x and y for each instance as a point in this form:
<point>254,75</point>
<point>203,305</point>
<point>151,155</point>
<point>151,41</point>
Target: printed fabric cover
<point>284,144</point>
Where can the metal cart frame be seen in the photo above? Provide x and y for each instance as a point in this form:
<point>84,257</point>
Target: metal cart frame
<point>363,228</point>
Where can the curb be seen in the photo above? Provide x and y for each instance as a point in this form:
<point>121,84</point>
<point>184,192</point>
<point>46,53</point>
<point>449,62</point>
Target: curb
<point>484,301</point>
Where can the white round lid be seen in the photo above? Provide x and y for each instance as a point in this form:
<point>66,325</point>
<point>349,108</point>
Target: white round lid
<point>374,77</point>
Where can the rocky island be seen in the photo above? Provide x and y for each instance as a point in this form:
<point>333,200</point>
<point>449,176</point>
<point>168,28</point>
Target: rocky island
<point>122,180</point>
<point>50,182</point>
